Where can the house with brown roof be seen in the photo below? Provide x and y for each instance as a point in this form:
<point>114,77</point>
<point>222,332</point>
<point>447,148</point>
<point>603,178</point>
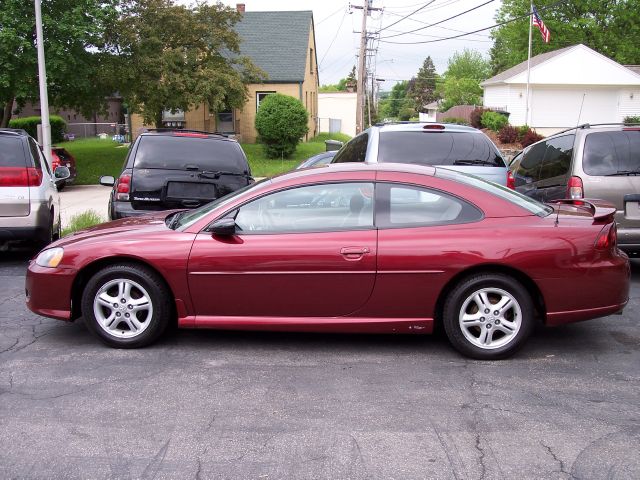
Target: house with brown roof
<point>283,45</point>
<point>567,87</point>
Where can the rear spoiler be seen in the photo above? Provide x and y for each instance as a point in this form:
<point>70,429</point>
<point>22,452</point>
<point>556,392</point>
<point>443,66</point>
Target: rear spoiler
<point>602,211</point>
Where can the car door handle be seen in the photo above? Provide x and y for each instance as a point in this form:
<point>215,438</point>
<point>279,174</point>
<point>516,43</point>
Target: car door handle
<point>354,252</point>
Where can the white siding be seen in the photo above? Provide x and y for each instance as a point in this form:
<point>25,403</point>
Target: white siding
<point>338,105</point>
<point>496,96</point>
<point>517,104</point>
<point>628,102</point>
<point>560,106</point>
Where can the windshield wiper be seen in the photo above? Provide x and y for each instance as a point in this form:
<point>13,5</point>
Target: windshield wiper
<point>173,223</point>
<point>623,172</point>
<point>216,175</point>
<point>473,162</point>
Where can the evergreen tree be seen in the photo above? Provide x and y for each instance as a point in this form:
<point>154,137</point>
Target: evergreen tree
<point>422,88</point>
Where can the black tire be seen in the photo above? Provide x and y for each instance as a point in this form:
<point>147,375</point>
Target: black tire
<point>520,317</point>
<point>158,295</point>
<point>58,231</point>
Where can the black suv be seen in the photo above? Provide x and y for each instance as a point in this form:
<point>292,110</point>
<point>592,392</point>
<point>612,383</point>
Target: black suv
<point>167,169</point>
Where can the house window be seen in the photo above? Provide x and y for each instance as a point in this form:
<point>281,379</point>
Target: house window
<point>224,122</point>
<point>261,96</point>
<point>311,61</point>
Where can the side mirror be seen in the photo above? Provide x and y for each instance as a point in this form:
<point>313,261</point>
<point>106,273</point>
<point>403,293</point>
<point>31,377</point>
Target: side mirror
<point>61,173</point>
<point>224,227</point>
<point>107,181</point>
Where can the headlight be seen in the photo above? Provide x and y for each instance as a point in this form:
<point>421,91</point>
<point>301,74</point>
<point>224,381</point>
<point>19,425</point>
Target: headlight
<point>50,258</point>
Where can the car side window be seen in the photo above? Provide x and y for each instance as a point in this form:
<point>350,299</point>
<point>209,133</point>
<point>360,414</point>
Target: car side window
<point>355,150</point>
<point>531,162</point>
<point>401,205</point>
<point>312,208</point>
<point>38,156</point>
<point>557,158</point>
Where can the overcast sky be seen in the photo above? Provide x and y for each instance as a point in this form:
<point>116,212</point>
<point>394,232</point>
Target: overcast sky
<point>337,44</point>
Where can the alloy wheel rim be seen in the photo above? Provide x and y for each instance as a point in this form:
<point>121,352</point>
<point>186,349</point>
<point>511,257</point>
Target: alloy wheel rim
<point>490,318</point>
<point>123,308</point>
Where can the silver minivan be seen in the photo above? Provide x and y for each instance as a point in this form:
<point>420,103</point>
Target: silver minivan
<point>589,161</point>
<point>29,202</point>
<point>455,147</point>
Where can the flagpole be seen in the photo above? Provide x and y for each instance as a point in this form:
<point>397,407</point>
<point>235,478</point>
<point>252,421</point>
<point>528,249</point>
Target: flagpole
<point>526,115</point>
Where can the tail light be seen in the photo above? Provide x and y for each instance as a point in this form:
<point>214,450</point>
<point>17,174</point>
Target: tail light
<point>434,127</point>
<point>574,188</point>
<point>20,177</point>
<point>123,187</point>
<point>607,238</point>
<point>511,181</point>
<point>55,161</point>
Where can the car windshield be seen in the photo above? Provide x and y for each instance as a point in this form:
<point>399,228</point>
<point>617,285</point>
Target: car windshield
<point>505,193</point>
<point>176,152</point>
<point>185,219</point>
<point>438,148</point>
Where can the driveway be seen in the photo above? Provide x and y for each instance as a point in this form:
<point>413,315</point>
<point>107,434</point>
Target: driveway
<point>206,404</point>
<point>75,199</point>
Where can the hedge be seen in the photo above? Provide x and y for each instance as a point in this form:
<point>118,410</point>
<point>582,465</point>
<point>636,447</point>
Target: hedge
<point>30,124</point>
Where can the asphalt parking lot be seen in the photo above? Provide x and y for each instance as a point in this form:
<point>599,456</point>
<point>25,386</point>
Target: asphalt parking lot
<point>257,406</point>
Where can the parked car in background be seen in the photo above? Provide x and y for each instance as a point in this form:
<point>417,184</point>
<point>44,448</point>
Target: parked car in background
<point>318,160</point>
<point>456,147</point>
<point>382,248</point>
<point>60,157</point>
<point>589,161</point>
<point>29,202</point>
<point>168,169</point>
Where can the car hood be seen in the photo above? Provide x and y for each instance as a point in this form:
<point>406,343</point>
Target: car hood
<point>149,222</point>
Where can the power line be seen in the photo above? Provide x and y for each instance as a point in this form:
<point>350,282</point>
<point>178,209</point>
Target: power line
<point>334,38</point>
<point>408,15</point>
<point>426,23</point>
<point>327,18</point>
<point>441,21</point>
<point>479,30</point>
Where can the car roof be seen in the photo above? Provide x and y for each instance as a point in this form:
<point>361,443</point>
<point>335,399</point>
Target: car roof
<point>419,126</point>
<point>14,131</point>
<point>172,132</point>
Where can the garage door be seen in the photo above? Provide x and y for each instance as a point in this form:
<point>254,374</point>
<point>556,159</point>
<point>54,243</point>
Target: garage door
<point>560,107</point>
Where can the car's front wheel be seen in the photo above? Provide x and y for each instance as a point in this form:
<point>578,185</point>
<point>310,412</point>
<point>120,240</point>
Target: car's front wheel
<point>126,305</point>
<point>488,316</point>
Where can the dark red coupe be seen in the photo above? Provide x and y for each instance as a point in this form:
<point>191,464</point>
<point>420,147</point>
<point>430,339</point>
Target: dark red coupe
<point>347,248</point>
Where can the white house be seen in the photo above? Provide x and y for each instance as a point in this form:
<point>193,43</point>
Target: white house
<point>431,112</point>
<point>337,112</point>
<point>569,86</point>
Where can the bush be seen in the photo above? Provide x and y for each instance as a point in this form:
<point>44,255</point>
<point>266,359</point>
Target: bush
<point>475,118</point>
<point>455,120</point>
<point>493,120</point>
<point>522,131</point>
<point>629,120</point>
<point>530,137</point>
<point>281,122</point>
<point>508,134</point>
<point>30,124</point>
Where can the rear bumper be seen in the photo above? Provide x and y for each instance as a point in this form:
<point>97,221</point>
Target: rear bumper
<point>629,239</point>
<point>34,226</point>
<point>48,291</point>
<point>118,210</point>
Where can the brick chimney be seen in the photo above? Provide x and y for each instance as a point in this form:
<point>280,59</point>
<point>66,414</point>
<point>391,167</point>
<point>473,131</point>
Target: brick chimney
<point>240,7</point>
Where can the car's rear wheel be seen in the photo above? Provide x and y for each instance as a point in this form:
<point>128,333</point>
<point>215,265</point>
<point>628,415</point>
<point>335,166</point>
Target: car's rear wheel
<point>126,305</point>
<point>488,316</point>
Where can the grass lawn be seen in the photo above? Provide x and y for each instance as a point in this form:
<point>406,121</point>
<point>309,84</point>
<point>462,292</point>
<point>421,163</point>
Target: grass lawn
<point>97,157</point>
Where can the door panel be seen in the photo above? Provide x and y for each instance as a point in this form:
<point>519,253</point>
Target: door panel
<point>283,275</point>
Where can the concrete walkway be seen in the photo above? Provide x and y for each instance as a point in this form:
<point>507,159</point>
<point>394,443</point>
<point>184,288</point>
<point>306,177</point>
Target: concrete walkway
<point>75,199</point>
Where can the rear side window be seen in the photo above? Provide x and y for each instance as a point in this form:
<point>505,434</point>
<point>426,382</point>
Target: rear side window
<point>441,148</point>
<point>611,153</point>
<point>179,153</point>
<point>11,152</point>
<point>532,161</point>
<point>355,150</point>
<point>557,157</point>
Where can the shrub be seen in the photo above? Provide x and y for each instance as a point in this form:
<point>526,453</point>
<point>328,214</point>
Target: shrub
<point>493,121</point>
<point>632,119</point>
<point>522,131</point>
<point>81,221</point>
<point>455,120</point>
<point>530,137</point>
<point>30,124</point>
<point>281,122</point>
<point>475,118</point>
<point>508,134</point>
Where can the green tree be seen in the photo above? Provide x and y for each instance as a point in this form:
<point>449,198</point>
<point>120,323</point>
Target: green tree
<point>281,122</point>
<point>461,82</point>
<point>606,26</point>
<point>173,57</point>
<point>422,88</point>
<point>397,101</point>
<point>74,52</point>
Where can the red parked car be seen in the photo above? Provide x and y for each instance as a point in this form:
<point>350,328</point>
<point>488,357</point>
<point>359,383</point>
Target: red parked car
<point>60,157</point>
<point>381,248</point>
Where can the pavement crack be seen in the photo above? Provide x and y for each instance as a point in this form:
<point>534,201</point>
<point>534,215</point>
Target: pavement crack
<point>152,469</point>
<point>563,468</point>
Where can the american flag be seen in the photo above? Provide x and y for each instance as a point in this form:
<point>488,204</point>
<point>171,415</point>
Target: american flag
<point>537,22</point>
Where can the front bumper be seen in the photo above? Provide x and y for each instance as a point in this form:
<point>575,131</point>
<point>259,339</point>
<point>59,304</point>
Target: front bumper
<point>48,291</point>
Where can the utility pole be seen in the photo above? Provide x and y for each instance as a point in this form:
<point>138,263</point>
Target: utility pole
<point>361,85</point>
<point>42,78</point>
